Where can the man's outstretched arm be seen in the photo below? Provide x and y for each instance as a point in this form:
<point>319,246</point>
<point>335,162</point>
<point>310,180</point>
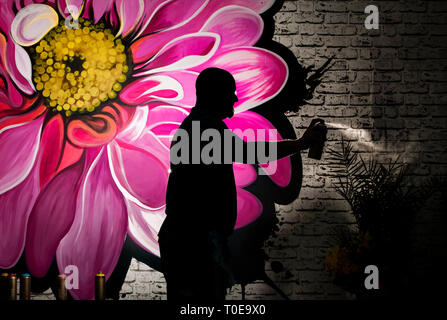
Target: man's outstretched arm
<point>315,133</point>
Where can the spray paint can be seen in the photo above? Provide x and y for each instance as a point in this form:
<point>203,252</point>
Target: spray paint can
<point>25,287</point>
<point>12,287</point>
<point>316,150</point>
<point>4,286</point>
<point>61,289</point>
<point>100,286</point>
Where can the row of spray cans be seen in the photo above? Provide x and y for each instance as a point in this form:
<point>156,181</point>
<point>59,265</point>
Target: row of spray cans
<point>8,287</point>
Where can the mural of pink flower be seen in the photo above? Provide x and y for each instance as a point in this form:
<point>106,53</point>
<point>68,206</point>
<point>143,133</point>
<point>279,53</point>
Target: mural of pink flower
<point>90,93</point>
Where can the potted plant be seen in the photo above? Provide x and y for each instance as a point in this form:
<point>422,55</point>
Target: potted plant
<point>383,202</point>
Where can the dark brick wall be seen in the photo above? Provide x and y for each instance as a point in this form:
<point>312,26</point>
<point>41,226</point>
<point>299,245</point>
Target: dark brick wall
<point>387,94</point>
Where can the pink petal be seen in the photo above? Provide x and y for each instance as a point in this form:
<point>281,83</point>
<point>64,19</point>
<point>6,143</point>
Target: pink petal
<point>258,6</point>
<point>32,23</point>
<point>51,219</point>
<point>18,64</point>
<point>140,175</point>
<point>28,111</point>
<point>152,88</point>
<point>87,10</point>
<point>155,129</point>
<point>183,52</point>
<point>51,146</point>
<point>92,131</point>
<point>249,208</point>
<point>177,87</point>
<point>165,129</point>
<point>149,141</point>
<point>260,74</point>
<point>101,7</point>
<point>144,226</point>
<point>173,14</point>
<point>97,235</point>
<point>237,26</point>
<point>16,205</point>
<point>17,162</point>
<point>7,15</point>
<point>75,7</point>
<point>23,63</point>
<point>8,94</point>
<point>136,126</point>
<point>187,80</point>
<point>112,18</point>
<point>62,7</point>
<point>166,114</point>
<point>280,171</point>
<point>198,19</point>
<point>129,13</point>
<point>244,174</point>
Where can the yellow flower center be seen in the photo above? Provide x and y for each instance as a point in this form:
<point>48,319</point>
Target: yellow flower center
<point>77,70</point>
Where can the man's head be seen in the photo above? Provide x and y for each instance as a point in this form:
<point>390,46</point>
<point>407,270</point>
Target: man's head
<point>216,92</point>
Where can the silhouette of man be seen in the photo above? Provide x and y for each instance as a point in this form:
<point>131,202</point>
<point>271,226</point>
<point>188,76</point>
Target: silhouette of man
<point>201,203</point>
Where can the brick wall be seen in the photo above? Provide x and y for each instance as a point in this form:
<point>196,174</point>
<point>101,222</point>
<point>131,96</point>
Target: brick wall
<point>387,93</point>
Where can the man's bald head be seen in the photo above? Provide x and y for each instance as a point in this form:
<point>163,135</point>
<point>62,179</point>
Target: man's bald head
<point>215,90</point>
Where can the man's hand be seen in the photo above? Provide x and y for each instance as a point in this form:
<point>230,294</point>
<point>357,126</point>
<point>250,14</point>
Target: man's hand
<point>314,134</point>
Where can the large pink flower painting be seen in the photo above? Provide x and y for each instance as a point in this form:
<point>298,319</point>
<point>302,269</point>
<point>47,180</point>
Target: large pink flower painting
<point>90,93</point>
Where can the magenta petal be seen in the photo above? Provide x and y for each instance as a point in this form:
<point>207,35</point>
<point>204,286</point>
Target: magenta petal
<point>8,92</point>
<point>32,23</point>
<point>136,126</point>
<point>146,47</point>
<point>140,175</point>
<point>16,163</point>
<point>187,80</point>
<point>249,208</point>
<point>51,219</point>
<point>16,205</point>
<point>258,6</point>
<point>237,26</point>
<point>160,133</point>
<point>18,64</point>
<point>174,13</point>
<point>244,174</point>
<point>260,74</point>
<point>97,235</point>
<point>62,7</point>
<point>168,114</point>
<point>144,226</point>
<point>165,129</point>
<point>129,13</point>
<point>146,126</point>
<point>194,21</point>
<point>183,52</point>
<point>75,7</point>
<point>7,15</point>
<point>280,171</point>
<point>100,7</point>
<point>152,143</point>
<point>152,88</point>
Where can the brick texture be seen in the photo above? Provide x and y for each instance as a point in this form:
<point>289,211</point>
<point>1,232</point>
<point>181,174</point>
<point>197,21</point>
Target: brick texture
<point>386,92</point>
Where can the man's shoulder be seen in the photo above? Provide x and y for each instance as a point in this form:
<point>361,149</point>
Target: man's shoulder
<point>204,121</point>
